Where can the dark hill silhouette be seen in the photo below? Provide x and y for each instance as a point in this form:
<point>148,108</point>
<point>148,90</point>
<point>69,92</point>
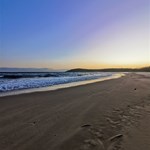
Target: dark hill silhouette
<point>144,69</point>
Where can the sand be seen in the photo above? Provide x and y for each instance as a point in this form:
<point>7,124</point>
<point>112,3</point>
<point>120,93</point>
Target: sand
<point>107,115</point>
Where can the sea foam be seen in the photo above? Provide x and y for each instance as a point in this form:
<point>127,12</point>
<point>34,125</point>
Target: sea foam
<point>37,82</point>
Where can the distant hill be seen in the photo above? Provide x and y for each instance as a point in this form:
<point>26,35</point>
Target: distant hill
<point>25,70</point>
<point>145,69</point>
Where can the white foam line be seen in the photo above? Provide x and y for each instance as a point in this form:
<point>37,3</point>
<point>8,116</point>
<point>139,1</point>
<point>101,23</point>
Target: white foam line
<point>60,86</point>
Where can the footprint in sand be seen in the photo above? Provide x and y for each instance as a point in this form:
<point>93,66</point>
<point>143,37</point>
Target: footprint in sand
<point>93,144</point>
<point>97,144</point>
<point>113,141</point>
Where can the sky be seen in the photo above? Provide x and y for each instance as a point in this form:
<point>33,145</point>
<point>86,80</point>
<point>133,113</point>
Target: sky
<point>65,34</point>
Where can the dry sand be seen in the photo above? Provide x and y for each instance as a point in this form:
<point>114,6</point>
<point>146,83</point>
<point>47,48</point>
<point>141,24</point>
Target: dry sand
<point>108,115</point>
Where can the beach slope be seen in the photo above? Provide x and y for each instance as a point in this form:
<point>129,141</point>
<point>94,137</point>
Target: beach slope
<point>107,115</point>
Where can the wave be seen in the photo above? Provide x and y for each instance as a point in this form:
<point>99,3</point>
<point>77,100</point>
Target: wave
<point>11,84</point>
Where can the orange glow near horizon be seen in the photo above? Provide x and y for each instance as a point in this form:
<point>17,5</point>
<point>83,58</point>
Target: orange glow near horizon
<point>80,64</point>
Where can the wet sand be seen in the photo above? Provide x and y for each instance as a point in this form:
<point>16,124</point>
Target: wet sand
<point>107,115</point>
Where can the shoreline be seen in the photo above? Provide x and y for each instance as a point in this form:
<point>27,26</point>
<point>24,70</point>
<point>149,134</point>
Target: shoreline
<point>60,86</point>
<point>98,116</point>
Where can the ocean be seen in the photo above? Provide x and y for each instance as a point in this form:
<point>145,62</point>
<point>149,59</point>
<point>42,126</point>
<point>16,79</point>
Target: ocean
<point>17,81</point>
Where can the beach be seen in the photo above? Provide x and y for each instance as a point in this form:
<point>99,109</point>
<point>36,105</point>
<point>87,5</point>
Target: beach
<point>108,115</point>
